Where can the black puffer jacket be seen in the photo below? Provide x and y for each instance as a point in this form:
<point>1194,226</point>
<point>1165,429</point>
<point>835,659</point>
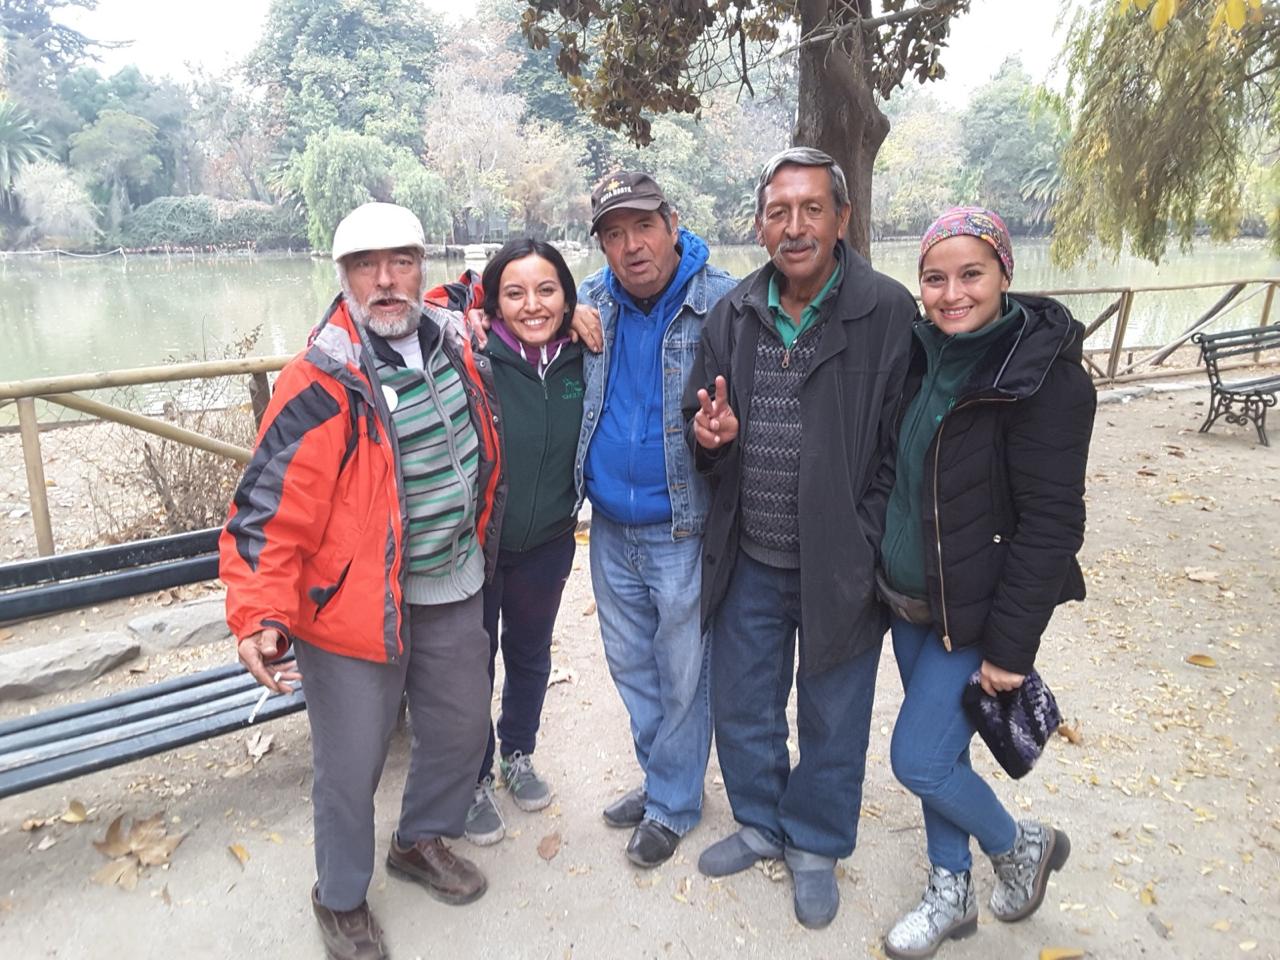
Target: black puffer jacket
<point>1003,512</point>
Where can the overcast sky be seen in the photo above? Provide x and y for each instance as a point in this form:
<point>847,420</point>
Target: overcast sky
<point>166,36</point>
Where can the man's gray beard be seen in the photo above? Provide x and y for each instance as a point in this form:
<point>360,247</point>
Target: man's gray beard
<point>384,329</point>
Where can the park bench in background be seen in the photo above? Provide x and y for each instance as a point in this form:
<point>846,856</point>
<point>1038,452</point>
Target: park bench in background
<point>81,738</point>
<point>1240,401</point>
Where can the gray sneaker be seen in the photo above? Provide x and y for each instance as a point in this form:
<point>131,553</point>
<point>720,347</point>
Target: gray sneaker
<point>947,910</point>
<point>527,789</point>
<point>1022,874</point>
<point>484,820</point>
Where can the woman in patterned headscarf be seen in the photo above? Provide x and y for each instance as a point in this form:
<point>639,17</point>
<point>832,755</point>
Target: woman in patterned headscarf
<point>983,525</point>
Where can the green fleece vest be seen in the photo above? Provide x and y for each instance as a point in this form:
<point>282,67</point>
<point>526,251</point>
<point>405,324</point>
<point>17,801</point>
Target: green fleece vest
<point>541,421</point>
<point>951,360</point>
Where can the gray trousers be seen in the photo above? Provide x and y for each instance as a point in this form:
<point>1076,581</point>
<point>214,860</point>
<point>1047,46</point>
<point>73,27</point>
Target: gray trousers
<point>352,707</point>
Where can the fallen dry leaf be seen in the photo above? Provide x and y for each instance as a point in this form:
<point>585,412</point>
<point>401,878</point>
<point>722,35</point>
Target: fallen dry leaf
<point>589,609</point>
<point>1201,660</point>
<point>75,813</point>
<point>35,823</point>
<point>157,850</point>
<point>115,843</point>
<point>258,744</point>
<point>583,537</point>
<point>118,873</point>
<point>1069,733</point>
<point>5,635</point>
<point>1248,945</point>
<point>682,890</point>
<point>1222,926</point>
<point>1061,953</point>
<point>47,841</point>
<point>240,853</point>
<point>549,846</point>
<point>562,675</point>
<point>1148,895</point>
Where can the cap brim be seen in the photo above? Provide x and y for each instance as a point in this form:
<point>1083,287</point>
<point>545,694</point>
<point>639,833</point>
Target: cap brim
<point>636,203</point>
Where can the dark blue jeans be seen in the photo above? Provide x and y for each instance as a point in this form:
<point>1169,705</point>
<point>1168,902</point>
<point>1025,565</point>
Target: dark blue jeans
<point>930,749</point>
<point>815,806</point>
<point>524,596</point>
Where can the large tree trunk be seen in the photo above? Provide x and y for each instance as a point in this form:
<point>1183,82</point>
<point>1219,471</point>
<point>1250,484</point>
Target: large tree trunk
<point>838,113</point>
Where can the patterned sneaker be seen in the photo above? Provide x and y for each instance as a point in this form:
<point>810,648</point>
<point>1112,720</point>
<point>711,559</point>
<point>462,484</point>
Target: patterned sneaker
<point>947,910</point>
<point>484,819</point>
<point>527,789</point>
<point>1022,874</point>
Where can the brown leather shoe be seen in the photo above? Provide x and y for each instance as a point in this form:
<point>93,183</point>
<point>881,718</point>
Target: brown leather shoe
<point>348,934</point>
<point>447,877</point>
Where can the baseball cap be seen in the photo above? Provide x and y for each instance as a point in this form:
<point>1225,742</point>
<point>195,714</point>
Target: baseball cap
<point>625,190</point>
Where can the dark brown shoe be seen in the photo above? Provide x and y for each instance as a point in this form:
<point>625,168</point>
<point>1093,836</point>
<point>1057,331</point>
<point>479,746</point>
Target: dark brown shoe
<point>447,877</point>
<point>348,934</point>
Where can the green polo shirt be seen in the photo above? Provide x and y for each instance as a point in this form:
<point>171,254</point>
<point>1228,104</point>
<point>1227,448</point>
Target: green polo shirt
<point>788,329</point>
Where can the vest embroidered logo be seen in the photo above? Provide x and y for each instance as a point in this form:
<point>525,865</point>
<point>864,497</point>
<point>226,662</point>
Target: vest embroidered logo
<point>573,390</point>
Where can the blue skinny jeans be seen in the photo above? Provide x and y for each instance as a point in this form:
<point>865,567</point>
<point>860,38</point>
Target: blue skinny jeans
<point>930,750</point>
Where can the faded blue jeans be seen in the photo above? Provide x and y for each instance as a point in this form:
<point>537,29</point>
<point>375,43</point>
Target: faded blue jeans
<point>815,806</point>
<point>930,749</point>
<point>647,597</point>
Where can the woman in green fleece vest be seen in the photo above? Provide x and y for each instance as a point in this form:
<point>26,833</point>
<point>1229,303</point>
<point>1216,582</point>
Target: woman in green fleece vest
<point>529,298</point>
<point>981,533</point>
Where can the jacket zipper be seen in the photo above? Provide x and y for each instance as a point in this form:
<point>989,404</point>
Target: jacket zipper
<point>937,517</point>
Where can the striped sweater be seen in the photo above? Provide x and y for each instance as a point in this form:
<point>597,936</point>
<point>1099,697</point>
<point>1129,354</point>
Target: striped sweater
<point>439,463</point>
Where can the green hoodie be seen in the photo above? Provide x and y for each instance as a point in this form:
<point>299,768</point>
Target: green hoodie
<point>541,418</point>
<point>950,362</point>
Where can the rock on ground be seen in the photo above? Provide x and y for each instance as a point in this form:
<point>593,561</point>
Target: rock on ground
<point>62,664</point>
<point>182,625</point>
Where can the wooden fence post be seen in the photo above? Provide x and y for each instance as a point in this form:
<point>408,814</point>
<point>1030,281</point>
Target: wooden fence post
<point>1266,305</point>
<point>29,427</point>
<point>1117,339</point>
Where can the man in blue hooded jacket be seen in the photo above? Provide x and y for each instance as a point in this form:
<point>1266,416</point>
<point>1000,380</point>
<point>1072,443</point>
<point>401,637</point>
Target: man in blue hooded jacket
<point>648,502</point>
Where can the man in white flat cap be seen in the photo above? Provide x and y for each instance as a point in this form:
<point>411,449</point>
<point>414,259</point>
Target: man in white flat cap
<point>360,533</point>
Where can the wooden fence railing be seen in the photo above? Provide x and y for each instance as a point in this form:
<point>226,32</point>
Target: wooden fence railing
<point>1109,359</point>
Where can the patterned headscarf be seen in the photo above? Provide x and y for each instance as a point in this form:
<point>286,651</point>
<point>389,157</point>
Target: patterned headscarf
<point>974,222</point>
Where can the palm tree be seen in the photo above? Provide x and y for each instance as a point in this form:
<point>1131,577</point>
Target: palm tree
<point>21,142</point>
<point>1042,187</point>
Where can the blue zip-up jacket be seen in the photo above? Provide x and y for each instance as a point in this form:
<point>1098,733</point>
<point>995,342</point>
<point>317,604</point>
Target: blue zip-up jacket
<point>617,462</point>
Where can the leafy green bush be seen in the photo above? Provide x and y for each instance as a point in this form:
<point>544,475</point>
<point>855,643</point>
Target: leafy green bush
<point>200,221</point>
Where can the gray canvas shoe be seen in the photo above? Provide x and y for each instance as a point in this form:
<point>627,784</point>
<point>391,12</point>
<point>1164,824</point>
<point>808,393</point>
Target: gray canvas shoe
<point>948,910</point>
<point>484,824</point>
<point>527,789</point>
<point>815,895</point>
<point>1022,874</point>
<point>734,853</point>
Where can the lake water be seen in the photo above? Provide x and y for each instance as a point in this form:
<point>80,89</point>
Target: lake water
<point>62,316</point>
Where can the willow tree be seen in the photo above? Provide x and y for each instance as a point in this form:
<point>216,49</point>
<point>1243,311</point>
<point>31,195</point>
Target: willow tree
<point>1173,100</point>
<point>629,59</point>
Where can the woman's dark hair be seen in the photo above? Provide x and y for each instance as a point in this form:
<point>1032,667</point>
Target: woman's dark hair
<point>491,280</point>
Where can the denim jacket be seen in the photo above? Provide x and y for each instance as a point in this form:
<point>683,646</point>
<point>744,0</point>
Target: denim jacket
<point>690,495</point>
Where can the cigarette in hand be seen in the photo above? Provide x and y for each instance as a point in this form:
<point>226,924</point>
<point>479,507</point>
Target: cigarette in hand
<point>266,692</point>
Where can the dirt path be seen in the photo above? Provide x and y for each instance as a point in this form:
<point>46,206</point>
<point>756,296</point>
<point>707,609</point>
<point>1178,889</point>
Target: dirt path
<point>1171,796</point>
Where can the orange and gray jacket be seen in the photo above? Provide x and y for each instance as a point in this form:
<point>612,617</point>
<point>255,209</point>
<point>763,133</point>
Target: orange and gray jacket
<point>314,545</point>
